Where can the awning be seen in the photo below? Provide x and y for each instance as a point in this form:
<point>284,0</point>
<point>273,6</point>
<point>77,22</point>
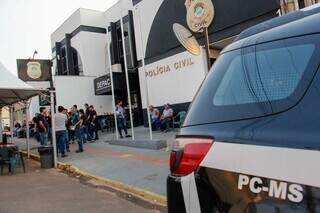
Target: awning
<point>12,89</point>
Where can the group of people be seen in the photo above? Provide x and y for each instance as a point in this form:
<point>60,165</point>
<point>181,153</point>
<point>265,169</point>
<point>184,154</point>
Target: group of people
<point>158,120</point>
<point>80,125</point>
<point>163,120</point>
<point>20,130</point>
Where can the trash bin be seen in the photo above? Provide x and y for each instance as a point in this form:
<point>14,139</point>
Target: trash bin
<point>46,156</point>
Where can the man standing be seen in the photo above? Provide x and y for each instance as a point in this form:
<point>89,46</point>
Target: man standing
<point>166,117</point>
<point>93,121</point>
<point>87,109</point>
<point>42,126</point>
<point>61,119</point>
<point>155,117</point>
<point>80,127</point>
<point>87,124</point>
<point>74,120</point>
<point>121,120</point>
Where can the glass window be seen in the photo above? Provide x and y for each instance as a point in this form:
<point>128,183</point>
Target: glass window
<point>266,75</point>
<point>256,81</point>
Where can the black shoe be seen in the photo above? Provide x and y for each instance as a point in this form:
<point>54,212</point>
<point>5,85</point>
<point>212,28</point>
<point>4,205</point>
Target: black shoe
<point>128,136</point>
<point>64,155</point>
<point>78,151</point>
<point>68,150</point>
<point>121,136</point>
<point>96,139</point>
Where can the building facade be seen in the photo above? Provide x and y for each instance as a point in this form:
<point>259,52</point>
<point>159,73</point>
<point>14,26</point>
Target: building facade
<point>79,51</point>
<point>292,5</point>
<point>89,45</point>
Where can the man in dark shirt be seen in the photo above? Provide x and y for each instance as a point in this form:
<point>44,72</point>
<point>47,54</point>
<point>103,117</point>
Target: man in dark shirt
<point>93,121</point>
<point>87,110</point>
<point>42,126</point>
<point>87,123</point>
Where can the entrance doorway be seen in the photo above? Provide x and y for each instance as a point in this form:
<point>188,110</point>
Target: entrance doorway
<point>117,60</point>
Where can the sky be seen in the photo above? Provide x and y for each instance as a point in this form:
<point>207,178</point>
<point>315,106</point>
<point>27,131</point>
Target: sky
<point>26,26</point>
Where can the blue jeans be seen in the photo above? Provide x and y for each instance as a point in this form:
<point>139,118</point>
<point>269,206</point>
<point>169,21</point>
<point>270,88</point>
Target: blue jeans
<point>43,138</point>
<point>61,140</point>
<point>164,123</point>
<point>155,123</point>
<point>81,137</point>
<point>49,134</point>
<point>93,130</point>
<point>122,125</point>
<point>86,132</point>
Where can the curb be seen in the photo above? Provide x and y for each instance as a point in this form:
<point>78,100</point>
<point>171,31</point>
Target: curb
<point>145,195</point>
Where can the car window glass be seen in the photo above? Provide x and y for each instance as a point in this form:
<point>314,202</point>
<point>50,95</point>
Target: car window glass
<point>264,75</point>
<point>256,80</point>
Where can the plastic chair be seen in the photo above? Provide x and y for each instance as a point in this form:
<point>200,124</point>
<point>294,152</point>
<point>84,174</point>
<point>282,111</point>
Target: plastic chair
<point>11,156</point>
<point>179,119</point>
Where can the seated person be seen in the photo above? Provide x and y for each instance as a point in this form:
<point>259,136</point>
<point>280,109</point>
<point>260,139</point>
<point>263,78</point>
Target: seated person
<point>16,129</point>
<point>166,117</point>
<point>155,117</point>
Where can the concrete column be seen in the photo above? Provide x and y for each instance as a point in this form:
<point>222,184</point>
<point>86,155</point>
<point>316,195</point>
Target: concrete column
<point>1,128</point>
<point>11,122</point>
<point>27,105</point>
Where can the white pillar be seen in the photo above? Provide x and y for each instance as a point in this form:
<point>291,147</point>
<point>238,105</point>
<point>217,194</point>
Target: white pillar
<point>27,104</point>
<point>1,128</point>
<point>145,78</point>
<point>11,123</point>
<point>126,71</point>
<point>112,86</point>
<point>53,130</point>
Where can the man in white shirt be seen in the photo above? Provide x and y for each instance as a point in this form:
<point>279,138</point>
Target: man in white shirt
<point>166,117</point>
<point>61,130</point>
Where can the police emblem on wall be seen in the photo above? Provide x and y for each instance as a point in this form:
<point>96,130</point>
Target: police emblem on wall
<point>34,70</point>
<point>200,14</point>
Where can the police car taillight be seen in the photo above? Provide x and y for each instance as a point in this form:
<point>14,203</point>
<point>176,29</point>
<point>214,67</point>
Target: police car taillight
<point>187,154</point>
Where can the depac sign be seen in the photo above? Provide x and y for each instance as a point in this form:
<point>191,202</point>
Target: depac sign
<point>102,85</point>
<point>200,14</point>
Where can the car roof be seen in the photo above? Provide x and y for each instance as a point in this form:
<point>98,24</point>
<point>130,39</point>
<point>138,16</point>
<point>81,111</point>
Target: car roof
<point>302,22</point>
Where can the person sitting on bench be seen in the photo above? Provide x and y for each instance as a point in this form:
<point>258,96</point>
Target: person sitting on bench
<point>166,117</point>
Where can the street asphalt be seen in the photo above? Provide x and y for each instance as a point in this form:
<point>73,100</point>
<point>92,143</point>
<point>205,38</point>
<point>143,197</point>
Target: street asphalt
<point>50,191</point>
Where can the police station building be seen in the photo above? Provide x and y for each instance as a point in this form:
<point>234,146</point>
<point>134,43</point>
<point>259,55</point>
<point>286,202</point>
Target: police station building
<point>89,45</point>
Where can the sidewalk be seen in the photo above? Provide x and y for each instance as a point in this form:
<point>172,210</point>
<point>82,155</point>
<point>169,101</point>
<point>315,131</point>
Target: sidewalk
<point>142,168</point>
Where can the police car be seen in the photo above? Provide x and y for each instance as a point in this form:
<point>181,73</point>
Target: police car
<point>251,139</point>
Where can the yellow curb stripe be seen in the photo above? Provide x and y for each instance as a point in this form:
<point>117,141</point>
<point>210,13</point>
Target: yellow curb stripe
<point>154,197</point>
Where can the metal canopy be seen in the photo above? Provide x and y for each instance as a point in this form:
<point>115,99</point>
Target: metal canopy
<point>12,89</point>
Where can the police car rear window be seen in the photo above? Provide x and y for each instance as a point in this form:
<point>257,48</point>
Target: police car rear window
<point>263,75</point>
<point>256,80</point>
